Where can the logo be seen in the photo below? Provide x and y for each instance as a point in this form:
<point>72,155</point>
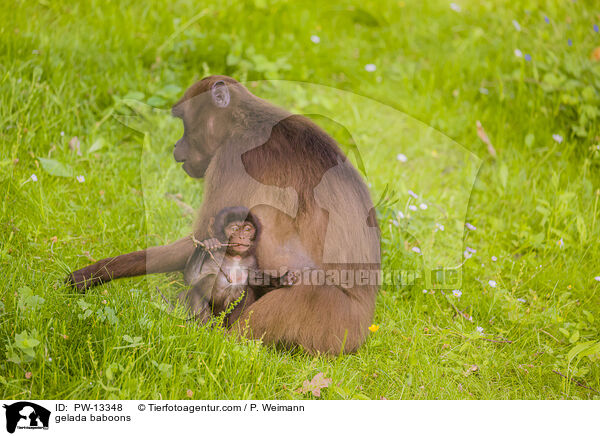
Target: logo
<point>26,415</point>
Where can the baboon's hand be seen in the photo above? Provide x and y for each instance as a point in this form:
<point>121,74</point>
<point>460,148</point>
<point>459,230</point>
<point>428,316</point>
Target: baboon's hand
<point>82,279</point>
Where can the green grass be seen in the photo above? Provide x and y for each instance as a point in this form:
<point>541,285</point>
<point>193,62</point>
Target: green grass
<point>66,66</point>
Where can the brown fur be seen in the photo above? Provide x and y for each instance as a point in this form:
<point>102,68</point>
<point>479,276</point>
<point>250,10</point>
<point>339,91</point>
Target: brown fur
<point>163,259</point>
<point>210,293</point>
<point>315,210</point>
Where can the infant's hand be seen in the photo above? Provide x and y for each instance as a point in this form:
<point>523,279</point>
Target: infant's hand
<point>290,278</point>
<point>235,292</point>
<point>212,244</point>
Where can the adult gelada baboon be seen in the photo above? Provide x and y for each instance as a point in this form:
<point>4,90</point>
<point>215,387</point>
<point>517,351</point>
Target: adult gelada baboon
<point>314,207</point>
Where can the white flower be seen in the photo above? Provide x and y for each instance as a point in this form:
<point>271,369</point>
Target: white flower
<point>412,194</point>
<point>560,243</point>
<point>424,291</point>
<point>315,39</point>
<point>494,258</point>
<point>423,206</point>
<point>455,7</point>
<point>470,226</point>
<point>492,283</point>
<point>456,293</point>
<point>517,25</point>
<point>416,250</point>
<point>480,329</point>
<point>400,215</point>
<point>557,138</point>
<point>394,222</point>
<point>484,91</point>
<point>597,278</point>
<point>467,254</point>
<point>522,300</point>
<point>33,178</point>
<point>471,250</point>
<point>518,53</point>
<point>412,207</point>
<point>62,133</point>
<point>439,227</point>
<point>370,68</point>
<point>402,157</point>
<point>80,179</point>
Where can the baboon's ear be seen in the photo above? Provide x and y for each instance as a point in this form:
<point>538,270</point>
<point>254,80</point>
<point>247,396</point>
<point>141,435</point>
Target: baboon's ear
<point>220,94</point>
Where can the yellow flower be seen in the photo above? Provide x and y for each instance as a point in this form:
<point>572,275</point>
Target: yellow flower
<point>374,328</point>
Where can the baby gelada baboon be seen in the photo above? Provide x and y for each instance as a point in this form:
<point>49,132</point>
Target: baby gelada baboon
<point>223,268</point>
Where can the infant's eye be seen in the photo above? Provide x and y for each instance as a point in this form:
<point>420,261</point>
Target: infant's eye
<point>247,228</point>
<point>235,228</point>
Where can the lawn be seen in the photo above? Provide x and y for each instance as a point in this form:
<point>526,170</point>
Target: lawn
<point>486,111</point>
